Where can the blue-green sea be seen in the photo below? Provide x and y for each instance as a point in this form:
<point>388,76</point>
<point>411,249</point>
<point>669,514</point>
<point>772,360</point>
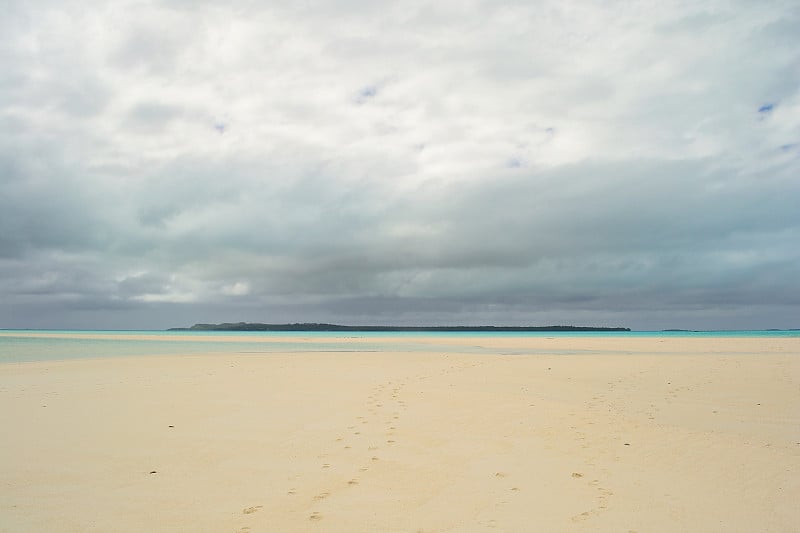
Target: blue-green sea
<point>49,345</point>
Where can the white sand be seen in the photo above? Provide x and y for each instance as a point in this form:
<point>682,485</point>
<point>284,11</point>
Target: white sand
<point>623,435</point>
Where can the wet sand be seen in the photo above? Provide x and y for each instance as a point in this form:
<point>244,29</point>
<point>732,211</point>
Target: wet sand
<point>558,434</point>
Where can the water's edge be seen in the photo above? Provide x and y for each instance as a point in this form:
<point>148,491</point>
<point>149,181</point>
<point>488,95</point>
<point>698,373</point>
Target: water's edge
<point>17,346</point>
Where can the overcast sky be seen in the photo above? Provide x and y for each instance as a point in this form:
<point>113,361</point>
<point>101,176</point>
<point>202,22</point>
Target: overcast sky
<point>498,162</point>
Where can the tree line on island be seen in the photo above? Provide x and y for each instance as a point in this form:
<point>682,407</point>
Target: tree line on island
<point>313,326</point>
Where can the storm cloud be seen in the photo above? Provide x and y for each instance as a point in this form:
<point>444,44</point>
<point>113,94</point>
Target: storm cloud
<point>594,163</point>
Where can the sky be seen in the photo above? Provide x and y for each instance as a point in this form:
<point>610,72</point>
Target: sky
<point>164,163</point>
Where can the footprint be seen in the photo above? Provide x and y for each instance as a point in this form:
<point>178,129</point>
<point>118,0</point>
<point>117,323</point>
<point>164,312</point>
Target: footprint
<point>577,474</point>
<point>315,516</point>
<point>353,482</point>
<point>251,510</point>
<point>326,465</point>
<point>375,459</point>
<point>321,496</point>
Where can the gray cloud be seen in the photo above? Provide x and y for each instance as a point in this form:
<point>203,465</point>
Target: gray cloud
<point>509,163</point>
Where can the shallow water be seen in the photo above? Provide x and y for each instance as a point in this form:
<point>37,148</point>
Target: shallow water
<point>49,345</point>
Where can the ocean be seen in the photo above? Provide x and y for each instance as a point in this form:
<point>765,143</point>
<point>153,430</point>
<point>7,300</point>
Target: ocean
<point>18,346</point>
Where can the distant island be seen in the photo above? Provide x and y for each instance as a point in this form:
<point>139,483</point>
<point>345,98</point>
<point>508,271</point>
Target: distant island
<point>249,326</point>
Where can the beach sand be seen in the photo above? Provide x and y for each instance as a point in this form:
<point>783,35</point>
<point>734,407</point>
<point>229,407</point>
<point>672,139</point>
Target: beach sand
<point>559,434</point>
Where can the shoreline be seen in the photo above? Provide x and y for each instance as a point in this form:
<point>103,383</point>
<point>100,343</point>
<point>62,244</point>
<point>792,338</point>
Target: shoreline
<point>69,346</point>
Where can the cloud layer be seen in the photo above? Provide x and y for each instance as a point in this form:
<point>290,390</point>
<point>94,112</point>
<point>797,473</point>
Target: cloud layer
<point>165,163</point>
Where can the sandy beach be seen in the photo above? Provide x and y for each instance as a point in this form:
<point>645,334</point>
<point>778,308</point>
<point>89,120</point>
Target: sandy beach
<point>545,434</point>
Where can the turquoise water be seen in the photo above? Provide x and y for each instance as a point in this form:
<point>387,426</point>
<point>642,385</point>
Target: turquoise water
<point>24,346</point>
<point>379,334</point>
<point>19,346</point>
